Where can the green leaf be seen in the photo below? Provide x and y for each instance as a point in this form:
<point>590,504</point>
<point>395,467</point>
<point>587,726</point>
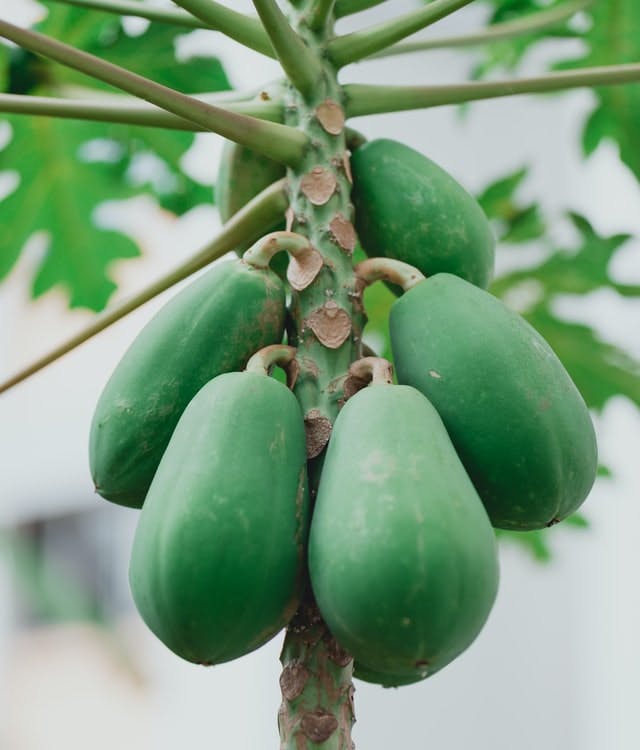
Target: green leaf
<point>514,221</point>
<point>536,543</point>
<point>599,369</point>
<point>59,189</point>
<point>58,196</point>
<point>613,38</point>
<point>507,54</point>
<point>579,271</point>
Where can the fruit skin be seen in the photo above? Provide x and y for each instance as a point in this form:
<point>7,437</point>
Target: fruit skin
<point>212,326</point>
<point>402,557</point>
<point>409,209</point>
<point>241,176</point>
<point>218,554</point>
<point>519,424</point>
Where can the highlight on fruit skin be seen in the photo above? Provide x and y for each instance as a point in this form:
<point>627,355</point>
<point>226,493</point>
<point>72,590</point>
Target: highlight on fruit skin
<point>211,326</point>
<point>402,557</point>
<point>515,417</point>
<point>408,208</point>
<point>218,558</point>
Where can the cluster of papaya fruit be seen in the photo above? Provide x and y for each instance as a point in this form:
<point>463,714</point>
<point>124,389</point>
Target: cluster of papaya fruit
<point>485,428</point>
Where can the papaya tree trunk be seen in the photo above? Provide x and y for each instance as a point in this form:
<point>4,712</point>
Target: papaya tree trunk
<point>326,327</point>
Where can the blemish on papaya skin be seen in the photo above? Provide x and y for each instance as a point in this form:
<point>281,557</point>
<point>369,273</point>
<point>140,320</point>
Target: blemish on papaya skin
<point>553,522</point>
<point>376,467</point>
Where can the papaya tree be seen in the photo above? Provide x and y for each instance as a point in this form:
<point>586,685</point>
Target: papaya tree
<point>362,509</point>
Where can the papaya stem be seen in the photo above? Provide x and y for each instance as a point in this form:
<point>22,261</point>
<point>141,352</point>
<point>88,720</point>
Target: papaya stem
<point>388,269</point>
<point>278,142</point>
<point>260,254</point>
<point>263,211</point>
<point>326,321</point>
<point>316,683</point>
<point>370,100</point>
<point>306,262</point>
<point>264,360</point>
<point>133,113</point>
<point>301,65</point>
<point>352,47</point>
<point>529,24</point>
<point>373,370</point>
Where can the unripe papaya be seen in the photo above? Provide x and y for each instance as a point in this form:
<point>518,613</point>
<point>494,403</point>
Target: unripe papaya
<point>241,176</point>
<point>408,208</point>
<point>212,326</point>
<point>402,557</point>
<point>519,424</point>
<point>218,556</point>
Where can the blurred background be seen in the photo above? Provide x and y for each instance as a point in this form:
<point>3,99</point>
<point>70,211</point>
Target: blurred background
<point>557,663</point>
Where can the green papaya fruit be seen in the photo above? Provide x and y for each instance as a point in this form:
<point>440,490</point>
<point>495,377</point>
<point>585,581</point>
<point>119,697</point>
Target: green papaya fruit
<point>241,176</point>
<point>402,557</point>
<point>519,424</point>
<point>218,556</point>
<point>212,326</point>
<point>409,209</point>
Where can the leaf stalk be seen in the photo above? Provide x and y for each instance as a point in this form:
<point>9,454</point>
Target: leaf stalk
<point>278,142</point>
<point>359,44</point>
<point>300,64</point>
<point>530,24</point>
<point>369,100</point>
<point>133,113</point>
<point>263,211</point>
<point>139,10</point>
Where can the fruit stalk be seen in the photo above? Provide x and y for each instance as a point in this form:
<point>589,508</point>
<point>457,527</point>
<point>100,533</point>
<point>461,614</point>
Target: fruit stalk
<point>326,328</point>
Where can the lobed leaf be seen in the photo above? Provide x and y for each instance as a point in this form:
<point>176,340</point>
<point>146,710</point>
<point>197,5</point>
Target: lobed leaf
<point>59,189</point>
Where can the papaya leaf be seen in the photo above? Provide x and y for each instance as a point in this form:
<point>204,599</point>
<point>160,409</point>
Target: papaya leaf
<point>536,543</point>
<point>507,54</point>
<point>600,370</point>
<point>60,186</point>
<point>613,37</point>
<point>58,195</point>
<point>514,221</point>
<point>578,271</point>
